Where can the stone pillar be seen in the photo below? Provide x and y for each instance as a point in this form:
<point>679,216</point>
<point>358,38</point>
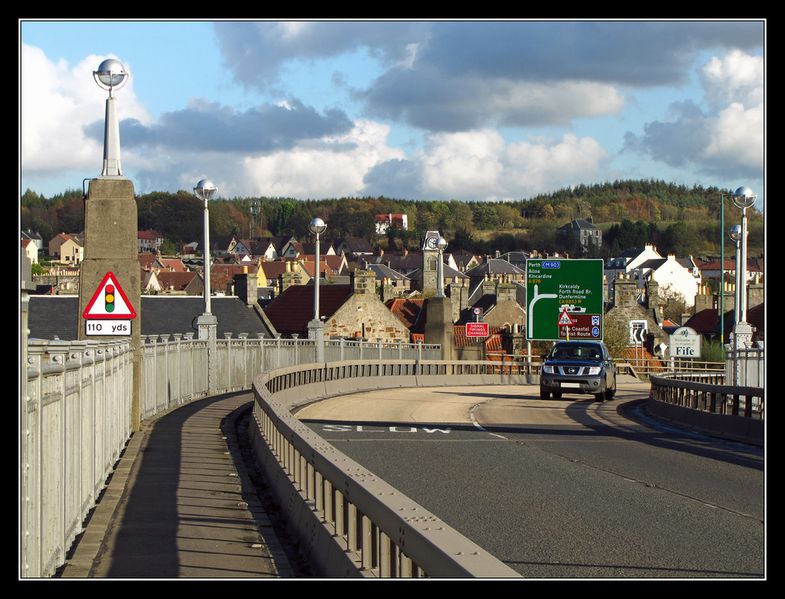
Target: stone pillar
<point>439,325</point>
<point>110,242</point>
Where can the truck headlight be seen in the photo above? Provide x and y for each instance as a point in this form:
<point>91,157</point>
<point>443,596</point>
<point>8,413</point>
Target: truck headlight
<point>595,370</point>
<point>547,369</point>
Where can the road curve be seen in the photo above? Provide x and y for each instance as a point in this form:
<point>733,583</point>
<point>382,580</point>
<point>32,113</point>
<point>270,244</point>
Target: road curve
<point>567,488</point>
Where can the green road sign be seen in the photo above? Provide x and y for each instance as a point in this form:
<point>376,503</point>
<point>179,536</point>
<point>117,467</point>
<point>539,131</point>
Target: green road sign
<point>555,286</point>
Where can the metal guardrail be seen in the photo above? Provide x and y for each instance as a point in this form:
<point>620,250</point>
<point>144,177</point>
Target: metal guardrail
<point>706,393</point>
<point>75,421</point>
<point>75,415</point>
<point>359,525</point>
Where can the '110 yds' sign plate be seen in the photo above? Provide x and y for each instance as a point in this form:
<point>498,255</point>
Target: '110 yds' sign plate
<point>107,327</point>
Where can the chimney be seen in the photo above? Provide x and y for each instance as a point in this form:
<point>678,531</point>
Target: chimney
<point>363,281</point>
<point>625,291</point>
<point>245,287</point>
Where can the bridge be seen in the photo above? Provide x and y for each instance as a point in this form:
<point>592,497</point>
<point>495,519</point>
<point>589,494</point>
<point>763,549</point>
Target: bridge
<point>90,485</point>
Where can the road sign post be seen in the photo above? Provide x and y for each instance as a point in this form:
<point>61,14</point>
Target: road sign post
<point>558,287</point>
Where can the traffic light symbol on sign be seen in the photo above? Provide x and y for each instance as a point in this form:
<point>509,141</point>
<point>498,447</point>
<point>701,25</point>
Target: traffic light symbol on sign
<point>109,302</point>
<point>109,298</point>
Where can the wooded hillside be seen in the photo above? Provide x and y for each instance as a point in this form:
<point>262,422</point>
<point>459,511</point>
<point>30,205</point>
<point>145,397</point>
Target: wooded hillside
<point>676,218</point>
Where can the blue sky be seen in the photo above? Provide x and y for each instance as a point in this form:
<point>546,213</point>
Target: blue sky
<point>489,110</point>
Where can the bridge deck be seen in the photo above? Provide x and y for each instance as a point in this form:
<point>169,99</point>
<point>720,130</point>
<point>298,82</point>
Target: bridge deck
<point>181,505</point>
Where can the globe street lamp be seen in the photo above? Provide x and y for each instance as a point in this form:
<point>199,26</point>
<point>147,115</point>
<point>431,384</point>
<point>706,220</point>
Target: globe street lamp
<point>441,244</point>
<point>111,75</point>
<point>205,190</point>
<point>744,198</point>
<point>735,234</point>
<point>315,328</point>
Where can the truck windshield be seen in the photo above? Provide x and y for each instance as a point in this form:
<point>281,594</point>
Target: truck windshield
<point>576,352</point>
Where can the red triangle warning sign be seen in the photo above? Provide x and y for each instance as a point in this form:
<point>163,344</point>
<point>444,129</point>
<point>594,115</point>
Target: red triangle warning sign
<point>565,320</point>
<point>109,301</point>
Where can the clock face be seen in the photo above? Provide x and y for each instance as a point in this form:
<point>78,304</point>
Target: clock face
<point>431,243</point>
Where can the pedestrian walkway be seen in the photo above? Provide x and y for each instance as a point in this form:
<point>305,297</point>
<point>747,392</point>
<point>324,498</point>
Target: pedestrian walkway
<point>181,505</point>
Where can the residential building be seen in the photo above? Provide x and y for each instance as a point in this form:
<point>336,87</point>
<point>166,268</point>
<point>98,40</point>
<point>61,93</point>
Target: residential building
<point>390,283</point>
<point>30,249</point>
<point>388,221</point>
<point>584,232</point>
<point>349,311</point>
<point>674,280</point>
<point>173,283</point>
<point>149,240</point>
<point>68,248</point>
<point>35,238</point>
<point>354,248</point>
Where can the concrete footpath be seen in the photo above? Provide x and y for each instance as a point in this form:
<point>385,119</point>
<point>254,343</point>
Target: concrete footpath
<point>181,504</point>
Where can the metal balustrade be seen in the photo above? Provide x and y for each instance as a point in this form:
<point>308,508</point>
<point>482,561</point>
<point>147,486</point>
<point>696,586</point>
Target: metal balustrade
<point>349,522</point>
<point>75,415</point>
<point>706,393</point>
<point>75,420</point>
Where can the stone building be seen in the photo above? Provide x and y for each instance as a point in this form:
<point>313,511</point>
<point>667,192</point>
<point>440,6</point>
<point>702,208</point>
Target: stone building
<point>637,313</point>
<point>352,311</point>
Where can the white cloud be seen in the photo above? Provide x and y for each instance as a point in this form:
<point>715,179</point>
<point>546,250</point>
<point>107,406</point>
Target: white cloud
<point>480,165</point>
<point>58,101</point>
<point>333,169</point>
<point>736,77</point>
<point>736,135</point>
<point>726,139</point>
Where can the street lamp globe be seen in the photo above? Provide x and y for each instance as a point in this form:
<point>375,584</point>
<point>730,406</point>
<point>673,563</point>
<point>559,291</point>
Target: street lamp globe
<point>744,197</point>
<point>317,226</point>
<point>735,233</point>
<point>205,189</point>
<point>441,243</point>
<point>110,75</point>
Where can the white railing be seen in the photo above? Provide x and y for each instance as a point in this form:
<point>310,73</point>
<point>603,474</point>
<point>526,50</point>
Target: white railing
<point>745,366</point>
<point>348,521</point>
<point>76,415</point>
<point>75,420</point>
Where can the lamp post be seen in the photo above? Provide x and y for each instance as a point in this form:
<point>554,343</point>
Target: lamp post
<point>316,328</point>
<point>207,323</point>
<point>254,214</point>
<point>735,234</point>
<point>744,198</point>
<point>111,75</point>
<point>442,245</point>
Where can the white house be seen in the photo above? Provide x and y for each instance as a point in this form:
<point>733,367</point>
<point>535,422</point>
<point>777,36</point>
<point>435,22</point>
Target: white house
<point>671,276</point>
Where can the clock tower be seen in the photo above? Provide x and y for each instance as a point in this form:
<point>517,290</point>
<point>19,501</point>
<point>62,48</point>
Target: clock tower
<point>430,261</point>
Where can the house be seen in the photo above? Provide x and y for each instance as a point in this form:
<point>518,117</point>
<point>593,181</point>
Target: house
<point>350,311</point>
<point>497,302</point>
<point>496,269</point>
<point>149,240</point>
<point>517,258</point>
<point>67,248</point>
<point>354,247</point>
<point>464,260</point>
<point>711,269</point>
<point>222,276</point>
<point>391,221</point>
<point>189,250</point>
<point>584,232</point>
<point>30,249</point>
<point>169,282</point>
<point>672,277</point>
<point>635,318</point>
<point>390,283</point>
<point>31,235</point>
